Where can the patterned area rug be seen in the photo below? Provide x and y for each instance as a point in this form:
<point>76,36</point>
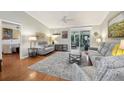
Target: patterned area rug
<point>56,65</point>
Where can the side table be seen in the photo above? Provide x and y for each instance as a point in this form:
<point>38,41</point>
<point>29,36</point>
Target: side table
<point>32,52</point>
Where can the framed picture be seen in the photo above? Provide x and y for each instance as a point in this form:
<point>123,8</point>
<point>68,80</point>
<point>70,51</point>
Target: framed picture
<point>116,26</point>
<point>7,33</point>
<point>64,34</point>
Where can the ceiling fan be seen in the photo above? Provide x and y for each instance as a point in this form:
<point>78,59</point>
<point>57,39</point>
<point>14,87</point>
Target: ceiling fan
<point>66,19</point>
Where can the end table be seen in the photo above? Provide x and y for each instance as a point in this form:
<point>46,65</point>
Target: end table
<point>32,52</point>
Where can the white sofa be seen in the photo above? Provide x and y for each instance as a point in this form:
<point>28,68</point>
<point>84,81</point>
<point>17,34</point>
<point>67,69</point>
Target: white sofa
<point>105,66</point>
<point>44,48</point>
<point>104,50</point>
<point>107,69</point>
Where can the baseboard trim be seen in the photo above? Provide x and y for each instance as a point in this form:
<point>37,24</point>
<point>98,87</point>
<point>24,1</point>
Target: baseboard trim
<point>24,57</point>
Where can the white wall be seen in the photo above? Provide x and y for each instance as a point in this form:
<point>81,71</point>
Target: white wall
<point>93,42</point>
<point>59,39</point>
<point>104,25</point>
<point>29,27</point>
<point>102,29</point>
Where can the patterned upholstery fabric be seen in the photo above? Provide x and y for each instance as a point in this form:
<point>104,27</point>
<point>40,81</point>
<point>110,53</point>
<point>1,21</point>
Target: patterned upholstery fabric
<point>95,55</point>
<point>101,46</point>
<point>120,74</point>
<point>95,59</point>
<point>106,69</point>
<point>101,69</point>
<point>90,71</point>
<point>110,75</point>
<point>109,52</point>
<point>105,49</point>
<point>113,61</point>
<point>79,74</point>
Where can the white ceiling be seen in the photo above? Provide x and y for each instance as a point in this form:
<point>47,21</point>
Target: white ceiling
<point>53,19</point>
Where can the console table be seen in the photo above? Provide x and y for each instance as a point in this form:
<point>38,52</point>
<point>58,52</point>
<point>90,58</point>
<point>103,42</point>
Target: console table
<point>61,47</point>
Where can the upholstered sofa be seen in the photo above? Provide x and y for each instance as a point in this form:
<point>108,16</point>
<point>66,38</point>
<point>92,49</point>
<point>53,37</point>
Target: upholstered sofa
<point>44,48</point>
<point>109,68</point>
<point>105,66</point>
<point>104,50</point>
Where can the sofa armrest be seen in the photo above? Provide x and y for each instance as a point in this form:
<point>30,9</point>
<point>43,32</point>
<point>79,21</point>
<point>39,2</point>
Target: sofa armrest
<point>93,48</point>
<point>79,74</point>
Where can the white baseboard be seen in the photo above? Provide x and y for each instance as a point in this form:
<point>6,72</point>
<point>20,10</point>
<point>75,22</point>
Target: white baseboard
<point>24,57</point>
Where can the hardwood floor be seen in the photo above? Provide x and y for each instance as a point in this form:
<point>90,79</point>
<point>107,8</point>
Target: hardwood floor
<point>17,70</point>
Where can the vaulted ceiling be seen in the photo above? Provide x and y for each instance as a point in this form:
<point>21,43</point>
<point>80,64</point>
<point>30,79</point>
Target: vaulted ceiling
<point>62,19</point>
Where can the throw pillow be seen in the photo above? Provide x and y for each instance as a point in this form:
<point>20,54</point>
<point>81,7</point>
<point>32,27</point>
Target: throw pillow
<point>105,49</point>
<point>116,51</point>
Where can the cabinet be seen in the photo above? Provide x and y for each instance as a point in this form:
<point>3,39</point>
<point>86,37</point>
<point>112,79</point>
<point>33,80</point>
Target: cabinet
<point>32,52</point>
<point>61,47</point>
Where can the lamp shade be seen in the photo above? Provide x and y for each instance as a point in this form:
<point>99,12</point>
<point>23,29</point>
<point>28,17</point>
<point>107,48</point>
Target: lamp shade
<point>98,40</point>
<point>32,38</point>
<point>122,44</point>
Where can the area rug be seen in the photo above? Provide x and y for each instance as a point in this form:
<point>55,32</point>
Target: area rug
<point>56,65</point>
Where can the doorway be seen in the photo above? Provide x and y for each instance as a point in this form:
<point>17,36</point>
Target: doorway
<point>11,33</point>
<point>80,40</point>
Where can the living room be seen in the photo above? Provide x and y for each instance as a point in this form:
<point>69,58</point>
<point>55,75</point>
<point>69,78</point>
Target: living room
<point>63,45</point>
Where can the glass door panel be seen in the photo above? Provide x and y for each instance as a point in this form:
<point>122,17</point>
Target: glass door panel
<point>80,40</point>
<point>75,40</point>
<point>84,40</point>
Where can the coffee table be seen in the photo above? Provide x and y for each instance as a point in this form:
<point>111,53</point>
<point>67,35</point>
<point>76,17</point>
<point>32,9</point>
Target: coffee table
<point>75,57</point>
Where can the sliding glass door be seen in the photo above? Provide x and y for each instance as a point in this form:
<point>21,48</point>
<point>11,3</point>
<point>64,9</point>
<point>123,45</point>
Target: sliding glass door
<point>75,38</point>
<point>80,40</point>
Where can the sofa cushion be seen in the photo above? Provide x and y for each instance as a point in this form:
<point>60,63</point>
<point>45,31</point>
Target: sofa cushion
<point>120,74</point>
<point>113,61</point>
<point>110,75</point>
<point>93,53</point>
<point>79,74</point>
<point>101,69</point>
<point>107,63</point>
<point>105,49</point>
<point>101,46</point>
<point>116,74</point>
<point>95,59</point>
<point>90,70</point>
<point>109,52</point>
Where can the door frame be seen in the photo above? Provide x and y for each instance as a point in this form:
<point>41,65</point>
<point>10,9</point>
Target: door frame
<point>11,22</point>
<point>79,30</point>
